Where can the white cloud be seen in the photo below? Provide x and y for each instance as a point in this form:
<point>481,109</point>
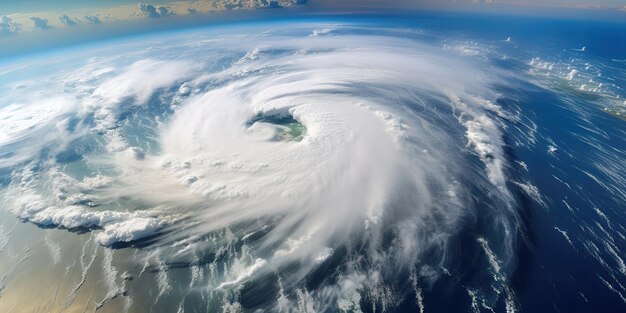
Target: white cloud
<point>8,26</point>
<point>141,79</point>
<point>40,23</point>
<point>66,20</point>
<point>92,19</point>
<point>152,11</point>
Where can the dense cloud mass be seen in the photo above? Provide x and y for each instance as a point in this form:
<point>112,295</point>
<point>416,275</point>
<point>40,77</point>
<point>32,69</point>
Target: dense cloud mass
<point>307,166</point>
<point>272,148</point>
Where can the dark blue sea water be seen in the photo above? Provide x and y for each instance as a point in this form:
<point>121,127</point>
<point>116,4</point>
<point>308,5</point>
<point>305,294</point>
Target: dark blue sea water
<point>571,252</point>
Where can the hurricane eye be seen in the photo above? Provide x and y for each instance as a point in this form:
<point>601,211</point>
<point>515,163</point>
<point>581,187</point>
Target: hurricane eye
<point>285,127</point>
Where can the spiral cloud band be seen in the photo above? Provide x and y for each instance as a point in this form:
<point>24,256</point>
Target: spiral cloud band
<point>277,155</point>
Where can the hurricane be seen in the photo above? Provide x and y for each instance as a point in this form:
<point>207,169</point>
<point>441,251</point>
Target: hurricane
<point>325,167</point>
